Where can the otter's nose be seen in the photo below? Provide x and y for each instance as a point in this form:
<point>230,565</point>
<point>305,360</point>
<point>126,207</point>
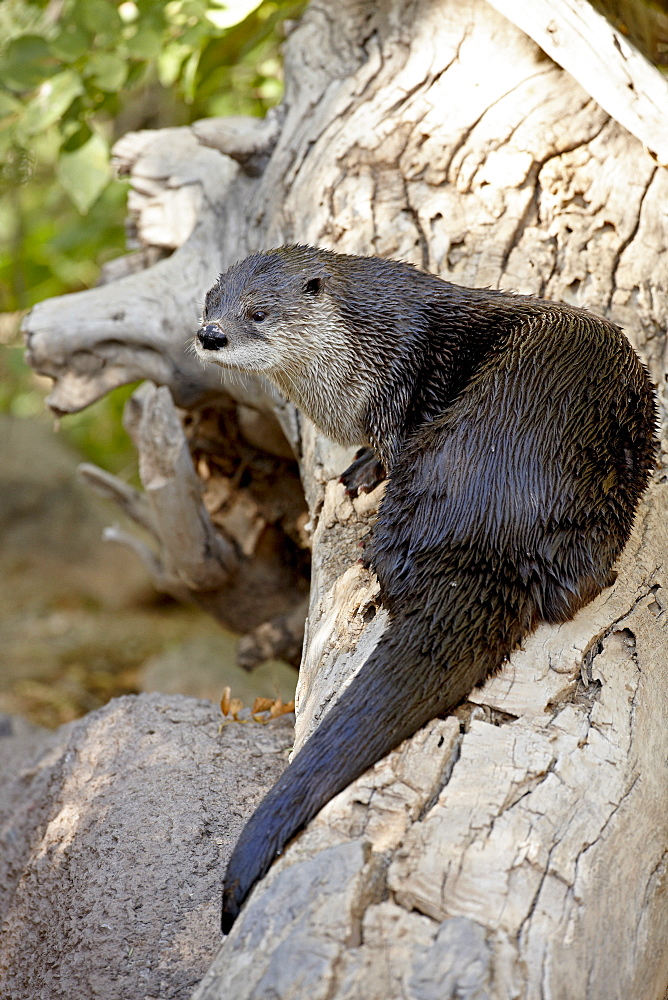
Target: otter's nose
<point>211,337</point>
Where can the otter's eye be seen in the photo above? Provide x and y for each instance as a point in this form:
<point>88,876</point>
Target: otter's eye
<point>258,316</point>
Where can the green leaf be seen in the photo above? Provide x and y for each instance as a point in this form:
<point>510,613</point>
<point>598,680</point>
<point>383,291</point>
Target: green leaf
<point>86,172</point>
<point>98,16</point>
<point>71,43</point>
<point>189,76</point>
<point>146,43</point>
<point>227,14</point>
<point>77,138</point>
<point>170,61</point>
<point>50,102</point>
<point>27,61</point>
<point>138,72</point>
<point>107,70</point>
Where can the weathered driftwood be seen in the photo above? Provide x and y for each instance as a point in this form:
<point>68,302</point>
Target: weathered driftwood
<point>603,62</point>
<point>520,849</point>
<point>194,557</point>
<point>139,326</point>
<point>204,532</point>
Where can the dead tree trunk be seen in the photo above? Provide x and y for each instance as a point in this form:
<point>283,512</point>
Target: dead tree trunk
<point>518,848</point>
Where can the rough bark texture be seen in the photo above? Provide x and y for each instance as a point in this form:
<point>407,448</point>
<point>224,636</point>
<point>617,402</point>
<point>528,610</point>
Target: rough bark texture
<point>520,849</point>
<point>607,66</point>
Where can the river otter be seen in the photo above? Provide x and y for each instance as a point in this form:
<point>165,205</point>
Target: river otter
<point>518,436</point>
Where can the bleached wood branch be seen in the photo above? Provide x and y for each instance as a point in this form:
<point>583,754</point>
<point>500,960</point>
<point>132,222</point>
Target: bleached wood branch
<point>249,141</point>
<point>194,558</point>
<point>130,500</point>
<point>140,326</point>
<point>191,548</point>
<point>603,62</point>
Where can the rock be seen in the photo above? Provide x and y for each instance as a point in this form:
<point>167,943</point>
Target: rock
<point>114,833</point>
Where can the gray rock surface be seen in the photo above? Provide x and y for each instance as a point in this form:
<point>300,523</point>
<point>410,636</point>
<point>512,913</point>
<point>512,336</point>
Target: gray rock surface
<point>114,832</point>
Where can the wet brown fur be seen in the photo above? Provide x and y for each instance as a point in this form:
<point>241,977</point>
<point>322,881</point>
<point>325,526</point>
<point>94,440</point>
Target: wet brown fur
<point>518,436</point>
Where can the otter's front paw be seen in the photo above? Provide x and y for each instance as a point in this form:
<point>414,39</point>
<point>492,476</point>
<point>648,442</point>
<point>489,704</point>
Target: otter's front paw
<point>364,474</point>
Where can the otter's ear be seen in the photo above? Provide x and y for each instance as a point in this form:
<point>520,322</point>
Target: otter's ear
<point>315,284</point>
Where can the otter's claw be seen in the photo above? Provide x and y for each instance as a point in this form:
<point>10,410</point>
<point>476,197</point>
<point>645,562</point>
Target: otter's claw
<point>364,473</point>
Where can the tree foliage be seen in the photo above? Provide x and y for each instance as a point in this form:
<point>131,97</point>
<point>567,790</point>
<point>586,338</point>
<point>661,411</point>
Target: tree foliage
<point>74,76</point>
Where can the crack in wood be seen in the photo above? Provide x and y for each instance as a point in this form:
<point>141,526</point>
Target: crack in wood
<point>629,239</point>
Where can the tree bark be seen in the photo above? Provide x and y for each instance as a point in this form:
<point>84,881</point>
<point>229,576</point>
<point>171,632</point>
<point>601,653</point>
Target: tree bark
<point>519,847</point>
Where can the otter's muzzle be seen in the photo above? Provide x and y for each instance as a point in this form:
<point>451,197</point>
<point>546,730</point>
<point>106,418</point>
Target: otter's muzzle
<point>211,337</point>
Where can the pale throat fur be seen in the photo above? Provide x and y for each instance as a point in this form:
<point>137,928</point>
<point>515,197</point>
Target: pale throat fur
<point>325,377</point>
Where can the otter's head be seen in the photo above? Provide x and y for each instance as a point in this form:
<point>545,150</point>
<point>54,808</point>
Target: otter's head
<point>264,313</point>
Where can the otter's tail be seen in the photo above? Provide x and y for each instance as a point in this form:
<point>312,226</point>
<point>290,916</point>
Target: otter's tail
<point>371,718</point>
